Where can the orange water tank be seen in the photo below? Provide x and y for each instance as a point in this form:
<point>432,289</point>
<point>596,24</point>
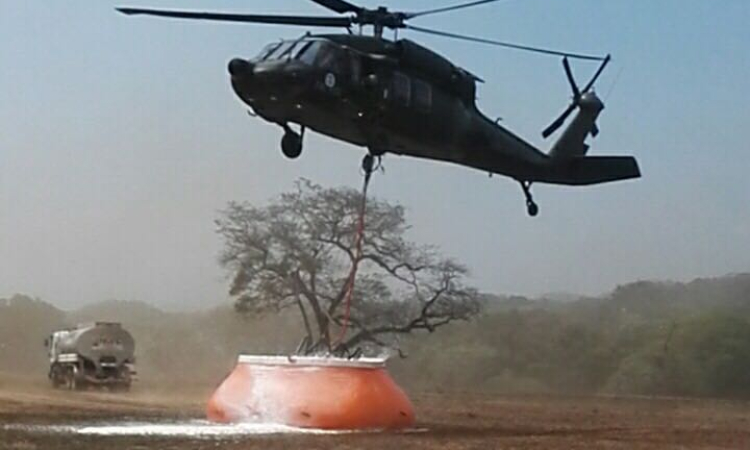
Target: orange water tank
<point>312,392</point>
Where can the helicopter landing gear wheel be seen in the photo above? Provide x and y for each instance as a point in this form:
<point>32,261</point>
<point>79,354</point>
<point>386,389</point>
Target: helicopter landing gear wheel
<point>372,162</point>
<point>531,207</point>
<point>291,143</point>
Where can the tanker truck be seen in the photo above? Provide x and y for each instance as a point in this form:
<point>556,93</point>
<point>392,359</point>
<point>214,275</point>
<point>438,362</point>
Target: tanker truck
<point>93,355</point>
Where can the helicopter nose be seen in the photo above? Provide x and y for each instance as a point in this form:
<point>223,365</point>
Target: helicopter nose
<point>239,67</point>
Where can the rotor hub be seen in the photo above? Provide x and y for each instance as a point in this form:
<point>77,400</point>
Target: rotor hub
<point>381,17</point>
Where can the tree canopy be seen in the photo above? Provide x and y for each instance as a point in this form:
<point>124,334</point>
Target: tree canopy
<point>298,251</point>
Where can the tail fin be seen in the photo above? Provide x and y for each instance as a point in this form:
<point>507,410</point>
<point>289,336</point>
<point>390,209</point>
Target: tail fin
<point>572,143</point>
<point>571,166</point>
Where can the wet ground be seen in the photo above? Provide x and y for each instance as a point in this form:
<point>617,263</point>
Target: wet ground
<point>36,417</point>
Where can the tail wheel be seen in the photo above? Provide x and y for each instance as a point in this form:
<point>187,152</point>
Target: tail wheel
<point>531,207</point>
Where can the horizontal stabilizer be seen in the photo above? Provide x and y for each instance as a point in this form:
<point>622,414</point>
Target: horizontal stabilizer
<point>593,170</point>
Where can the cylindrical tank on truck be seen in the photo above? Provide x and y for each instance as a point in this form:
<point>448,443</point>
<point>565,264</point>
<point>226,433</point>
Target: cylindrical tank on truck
<point>100,354</point>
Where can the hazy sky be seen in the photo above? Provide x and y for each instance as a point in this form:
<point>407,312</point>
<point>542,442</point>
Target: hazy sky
<point>120,139</point>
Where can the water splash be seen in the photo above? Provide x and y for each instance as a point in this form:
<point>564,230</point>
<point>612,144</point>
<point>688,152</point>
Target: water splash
<point>190,429</point>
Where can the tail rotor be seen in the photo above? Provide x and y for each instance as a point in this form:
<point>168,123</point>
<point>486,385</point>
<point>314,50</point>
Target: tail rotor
<point>578,96</point>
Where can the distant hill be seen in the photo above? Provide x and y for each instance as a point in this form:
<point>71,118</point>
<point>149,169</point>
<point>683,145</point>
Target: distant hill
<point>169,346</point>
<point>643,337</point>
<point>646,296</point>
<point>118,311</point>
<point>24,324</point>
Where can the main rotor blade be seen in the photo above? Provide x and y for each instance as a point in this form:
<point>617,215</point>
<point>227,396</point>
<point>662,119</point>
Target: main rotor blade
<point>571,80</point>
<point>505,44</point>
<point>340,6</point>
<point>309,21</point>
<point>448,8</point>
<point>559,121</point>
<point>599,71</point>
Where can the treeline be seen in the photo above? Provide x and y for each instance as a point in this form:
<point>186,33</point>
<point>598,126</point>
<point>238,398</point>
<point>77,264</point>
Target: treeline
<point>649,338</point>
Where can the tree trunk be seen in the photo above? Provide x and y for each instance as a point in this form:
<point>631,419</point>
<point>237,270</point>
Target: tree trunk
<point>324,334</point>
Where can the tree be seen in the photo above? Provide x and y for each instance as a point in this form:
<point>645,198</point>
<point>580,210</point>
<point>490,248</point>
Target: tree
<point>714,354</point>
<point>298,251</point>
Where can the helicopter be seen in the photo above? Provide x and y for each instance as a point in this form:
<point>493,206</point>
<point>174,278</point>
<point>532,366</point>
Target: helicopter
<point>399,97</point>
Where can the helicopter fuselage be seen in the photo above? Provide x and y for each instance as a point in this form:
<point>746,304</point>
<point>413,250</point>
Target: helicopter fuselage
<point>360,90</point>
<point>402,98</point>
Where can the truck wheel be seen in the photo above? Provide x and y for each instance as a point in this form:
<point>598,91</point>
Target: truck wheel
<point>54,378</point>
<point>73,379</point>
<point>124,379</point>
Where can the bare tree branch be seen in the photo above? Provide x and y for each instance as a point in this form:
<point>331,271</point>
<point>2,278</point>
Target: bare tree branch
<point>298,251</point>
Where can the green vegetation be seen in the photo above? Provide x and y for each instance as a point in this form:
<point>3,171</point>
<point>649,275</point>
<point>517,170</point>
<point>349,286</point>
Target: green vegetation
<point>644,338</point>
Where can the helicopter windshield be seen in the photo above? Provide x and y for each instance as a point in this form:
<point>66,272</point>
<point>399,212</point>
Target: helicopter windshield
<point>309,52</point>
<point>282,50</point>
<point>317,53</point>
<point>277,51</point>
<point>267,50</point>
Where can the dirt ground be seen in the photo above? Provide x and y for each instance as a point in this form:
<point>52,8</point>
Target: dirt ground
<point>446,421</point>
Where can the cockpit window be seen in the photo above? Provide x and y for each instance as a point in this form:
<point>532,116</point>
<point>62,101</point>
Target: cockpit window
<point>286,52</point>
<point>267,50</point>
<point>301,49</point>
<point>280,51</point>
<point>322,54</point>
<point>308,53</point>
<point>289,50</point>
<point>317,53</point>
<point>330,57</point>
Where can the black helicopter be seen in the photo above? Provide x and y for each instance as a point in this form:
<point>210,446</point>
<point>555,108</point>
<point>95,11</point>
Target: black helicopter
<point>396,96</point>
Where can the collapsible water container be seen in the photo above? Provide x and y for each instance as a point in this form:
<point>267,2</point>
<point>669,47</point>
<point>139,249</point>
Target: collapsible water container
<point>312,392</point>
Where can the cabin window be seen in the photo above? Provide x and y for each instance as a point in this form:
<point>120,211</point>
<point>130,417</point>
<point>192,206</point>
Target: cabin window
<point>422,94</point>
<point>401,88</point>
<point>355,63</point>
